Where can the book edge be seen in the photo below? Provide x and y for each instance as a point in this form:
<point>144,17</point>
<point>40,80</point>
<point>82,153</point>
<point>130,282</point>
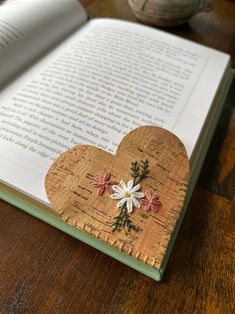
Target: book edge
<point>201,157</point>
<point>56,222</point>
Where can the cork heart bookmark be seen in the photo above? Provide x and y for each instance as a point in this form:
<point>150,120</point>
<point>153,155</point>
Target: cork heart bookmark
<point>131,200</point>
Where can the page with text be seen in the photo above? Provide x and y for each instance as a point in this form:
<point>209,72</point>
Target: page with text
<point>29,27</point>
<point>102,82</point>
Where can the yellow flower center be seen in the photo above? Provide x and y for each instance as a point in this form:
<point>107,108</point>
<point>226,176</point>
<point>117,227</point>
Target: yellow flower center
<point>127,194</point>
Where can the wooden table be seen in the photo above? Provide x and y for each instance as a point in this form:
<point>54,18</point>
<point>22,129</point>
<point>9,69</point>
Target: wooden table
<point>43,270</point>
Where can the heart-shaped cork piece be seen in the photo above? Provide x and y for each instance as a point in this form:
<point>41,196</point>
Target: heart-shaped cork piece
<point>70,189</point>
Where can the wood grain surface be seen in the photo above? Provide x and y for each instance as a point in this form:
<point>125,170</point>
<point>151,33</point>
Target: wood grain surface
<point>42,270</point>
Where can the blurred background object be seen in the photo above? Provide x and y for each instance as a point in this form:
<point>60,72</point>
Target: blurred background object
<point>167,13</point>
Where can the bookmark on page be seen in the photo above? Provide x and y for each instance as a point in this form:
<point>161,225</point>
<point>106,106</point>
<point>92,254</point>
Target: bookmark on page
<point>131,200</point>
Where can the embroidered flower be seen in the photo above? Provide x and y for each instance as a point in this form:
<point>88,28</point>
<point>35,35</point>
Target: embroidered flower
<point>127,194</point>
<point>102,182</point>
<point>150,202</point>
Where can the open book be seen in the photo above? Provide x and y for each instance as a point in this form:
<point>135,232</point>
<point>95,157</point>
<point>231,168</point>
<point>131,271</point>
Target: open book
<point>67,81</point>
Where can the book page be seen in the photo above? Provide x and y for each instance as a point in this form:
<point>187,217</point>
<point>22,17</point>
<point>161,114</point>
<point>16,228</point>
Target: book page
<point>29,27</point>
<point>102,82</point>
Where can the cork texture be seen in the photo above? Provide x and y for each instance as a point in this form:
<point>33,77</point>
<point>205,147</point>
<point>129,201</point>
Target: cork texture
<point>70,189</point>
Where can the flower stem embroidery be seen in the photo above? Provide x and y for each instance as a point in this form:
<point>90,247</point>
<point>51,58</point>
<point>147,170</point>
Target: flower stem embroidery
<point>122,220</point>
<point>129,196</point>
<point>139,171</point>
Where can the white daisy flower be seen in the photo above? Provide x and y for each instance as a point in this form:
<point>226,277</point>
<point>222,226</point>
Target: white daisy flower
<point>127,194</point>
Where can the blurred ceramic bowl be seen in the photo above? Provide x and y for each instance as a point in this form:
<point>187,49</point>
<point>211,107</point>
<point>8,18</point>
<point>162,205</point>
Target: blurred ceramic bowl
<point>167,13</point>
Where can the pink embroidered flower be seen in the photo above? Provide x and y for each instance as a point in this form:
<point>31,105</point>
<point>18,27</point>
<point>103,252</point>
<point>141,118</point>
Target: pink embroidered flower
<point>102,182</point>
<point>150,202</point>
